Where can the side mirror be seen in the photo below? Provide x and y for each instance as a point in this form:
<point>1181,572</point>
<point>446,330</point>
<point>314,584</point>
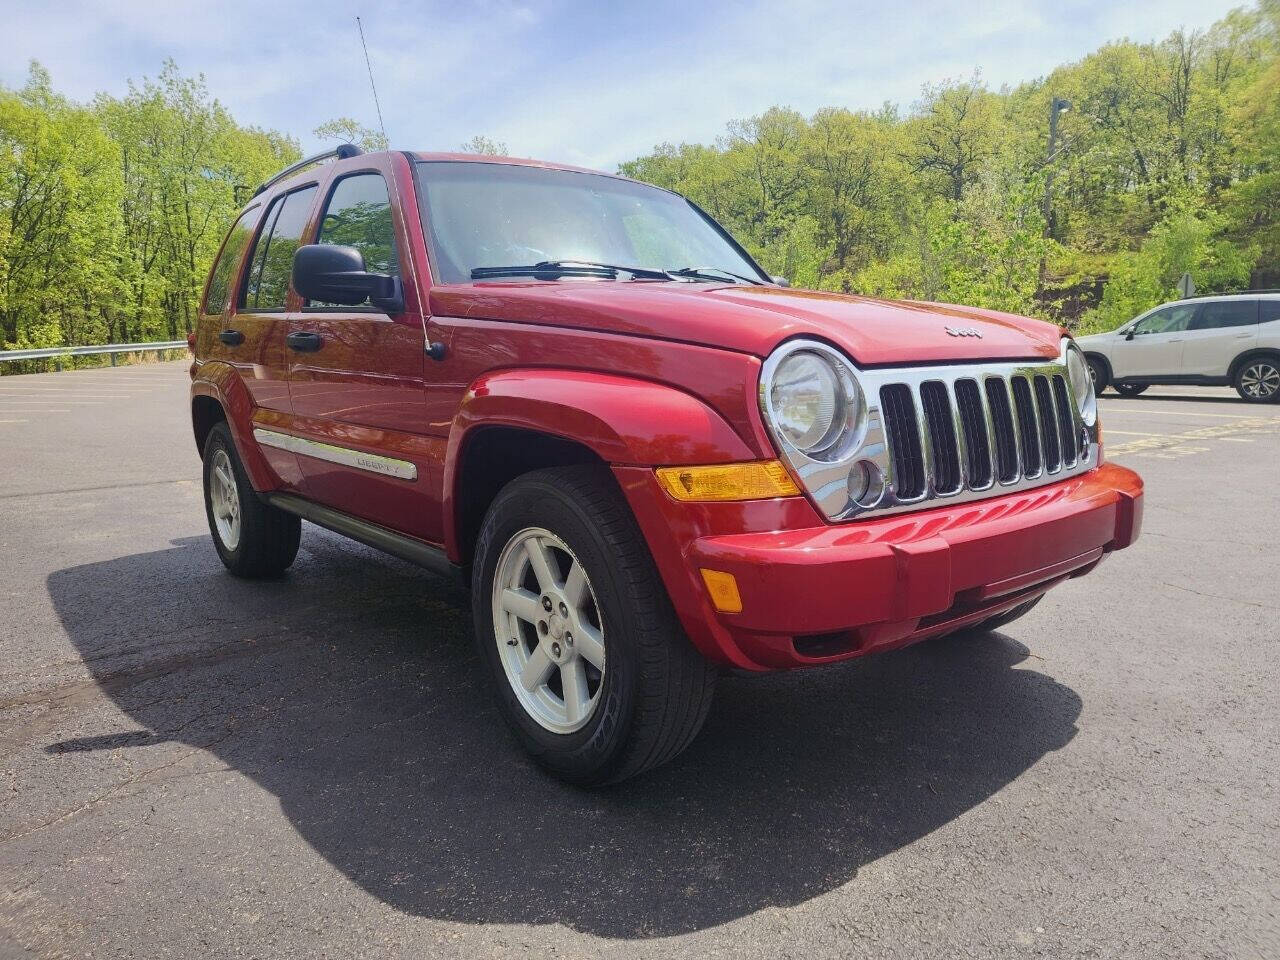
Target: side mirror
<point>336,274</point>
<point>781,281</point>
<point>1130,332</point>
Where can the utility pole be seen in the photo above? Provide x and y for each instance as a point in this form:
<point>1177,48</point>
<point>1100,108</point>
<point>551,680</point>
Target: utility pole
<point>1056,107</point>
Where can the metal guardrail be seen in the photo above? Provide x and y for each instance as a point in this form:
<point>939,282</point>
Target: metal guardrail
<point>58,353</point>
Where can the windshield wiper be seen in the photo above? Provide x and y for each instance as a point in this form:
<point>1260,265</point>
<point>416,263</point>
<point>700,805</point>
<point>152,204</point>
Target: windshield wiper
<point>552,269</point>
<point>712,273</point>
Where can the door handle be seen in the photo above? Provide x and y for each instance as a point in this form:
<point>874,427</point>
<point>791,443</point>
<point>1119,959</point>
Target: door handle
<point>1174,340</point>
<point>1244,336</point>
<point>304,341</point>
<point>232,338</point>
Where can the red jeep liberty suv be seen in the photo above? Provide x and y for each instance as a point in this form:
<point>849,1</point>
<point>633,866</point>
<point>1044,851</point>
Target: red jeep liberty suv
<point>651,460</point>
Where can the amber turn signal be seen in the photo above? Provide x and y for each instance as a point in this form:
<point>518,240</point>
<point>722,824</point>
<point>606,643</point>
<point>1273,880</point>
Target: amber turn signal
<point>723,588</point>
<point>757,480</point>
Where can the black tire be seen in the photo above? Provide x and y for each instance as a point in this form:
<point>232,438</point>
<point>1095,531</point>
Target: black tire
<point>655,689</point>
<point>1258,380</point>
<point>1098,370</point>
<point>268,537</point>
<point>1130,389</point>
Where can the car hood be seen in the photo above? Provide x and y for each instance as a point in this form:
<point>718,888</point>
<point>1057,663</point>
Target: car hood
<point>755,319</point>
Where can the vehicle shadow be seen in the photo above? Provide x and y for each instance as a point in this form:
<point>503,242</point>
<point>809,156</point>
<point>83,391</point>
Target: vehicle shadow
<point>350,690</point>
<point>1232,397</point>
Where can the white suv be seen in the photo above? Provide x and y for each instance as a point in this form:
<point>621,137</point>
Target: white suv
<point>1212,341</point>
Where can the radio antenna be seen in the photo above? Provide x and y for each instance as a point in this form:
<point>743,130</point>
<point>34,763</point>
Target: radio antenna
<point>381,126</point>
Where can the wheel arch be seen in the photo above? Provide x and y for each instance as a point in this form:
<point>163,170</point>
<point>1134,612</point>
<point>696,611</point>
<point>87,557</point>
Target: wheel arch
<point>218,395</point>
<point>1255,353</point>
<point>515,421</point>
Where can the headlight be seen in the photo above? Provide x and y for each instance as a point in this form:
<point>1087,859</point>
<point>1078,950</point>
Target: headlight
<point>812,401</point>
<point>1081,384</point>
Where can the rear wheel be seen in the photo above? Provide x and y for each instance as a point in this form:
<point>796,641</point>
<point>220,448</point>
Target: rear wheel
<point>592,670</point>
<point>1130,389</point>
<point>253,539</point>
<point>1258,380</point>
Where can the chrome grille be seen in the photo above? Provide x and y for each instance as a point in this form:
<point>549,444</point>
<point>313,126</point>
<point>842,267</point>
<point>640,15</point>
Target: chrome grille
<point>949,429</point>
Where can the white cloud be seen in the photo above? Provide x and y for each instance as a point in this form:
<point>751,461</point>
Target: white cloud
<point>590,84</point>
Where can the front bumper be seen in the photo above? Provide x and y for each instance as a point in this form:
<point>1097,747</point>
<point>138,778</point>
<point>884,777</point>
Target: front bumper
<point>820,592</point>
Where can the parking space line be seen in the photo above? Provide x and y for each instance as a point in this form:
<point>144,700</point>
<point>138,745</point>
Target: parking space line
<point>1107,431</point>
<point>1187,413</point>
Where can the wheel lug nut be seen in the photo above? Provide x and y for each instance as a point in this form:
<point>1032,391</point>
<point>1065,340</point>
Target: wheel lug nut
<point>555,649</point>
<point>546,604</point>
<point>542,627</point>
<point>564,611</point>
<point>568,639</point>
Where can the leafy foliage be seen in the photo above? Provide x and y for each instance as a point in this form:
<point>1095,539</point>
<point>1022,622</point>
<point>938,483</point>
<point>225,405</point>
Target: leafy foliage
<point>111,213</point>
<point>1168,160</point>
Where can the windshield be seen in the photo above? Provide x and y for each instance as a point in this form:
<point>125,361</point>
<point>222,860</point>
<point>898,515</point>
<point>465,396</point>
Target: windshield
<point>482,216</point>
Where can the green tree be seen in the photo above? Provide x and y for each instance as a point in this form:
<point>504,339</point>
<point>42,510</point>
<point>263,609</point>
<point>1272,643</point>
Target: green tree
<point>346,130</point>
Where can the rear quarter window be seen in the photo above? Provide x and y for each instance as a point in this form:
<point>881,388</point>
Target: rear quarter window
<point>1270,311</point>
<point>271,266</point>
<point>222,278</point>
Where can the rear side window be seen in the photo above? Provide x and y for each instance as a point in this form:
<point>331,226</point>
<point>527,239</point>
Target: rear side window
<point>1226,313</point>
<point>267,285</point>
<point>1270,311</point>
<point>224,270</point>
<point>359,215</point>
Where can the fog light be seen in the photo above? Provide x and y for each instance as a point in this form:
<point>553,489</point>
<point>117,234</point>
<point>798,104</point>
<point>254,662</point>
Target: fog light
<point>723,588</point>
<point>757,480</point>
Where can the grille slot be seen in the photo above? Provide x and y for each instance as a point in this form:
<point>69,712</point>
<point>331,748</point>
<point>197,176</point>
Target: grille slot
<point>1048,426</point>
<point>974,424</point>
<point>942,436</point>
<point>903,432</point>
<point>1028,442</point>
<point>1006,435</point>
<point>1066,425</point>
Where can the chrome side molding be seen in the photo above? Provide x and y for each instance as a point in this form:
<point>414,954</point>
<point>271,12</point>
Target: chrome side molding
<point>373,462</point>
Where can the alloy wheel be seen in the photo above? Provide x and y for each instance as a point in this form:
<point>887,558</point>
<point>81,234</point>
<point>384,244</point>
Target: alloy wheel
<point>548,629</point>
<point>224,498</point>
<point>1260,380</point>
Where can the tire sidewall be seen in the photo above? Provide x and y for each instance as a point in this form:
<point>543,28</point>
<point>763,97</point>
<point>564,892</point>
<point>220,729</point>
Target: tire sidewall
<point>1239,384</point>
<point>599,745</point>
<point>1099,369</point>
<point>220,439</point>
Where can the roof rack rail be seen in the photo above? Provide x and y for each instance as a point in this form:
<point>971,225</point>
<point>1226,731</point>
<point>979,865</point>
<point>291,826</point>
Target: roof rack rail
<point>1232,293</point>
<point>341,152</point>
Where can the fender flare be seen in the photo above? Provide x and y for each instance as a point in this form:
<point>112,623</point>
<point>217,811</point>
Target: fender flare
<point>625,421</point>
<point>1247,355</point>
<point>221,382</point>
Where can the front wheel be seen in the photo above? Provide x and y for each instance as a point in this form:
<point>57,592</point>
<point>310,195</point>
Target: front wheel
<point>592,670</point>
<point>1258,381</point>
<point>1098,373</point>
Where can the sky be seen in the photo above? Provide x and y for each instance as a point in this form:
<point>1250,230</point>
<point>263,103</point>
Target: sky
<point>591,84</point>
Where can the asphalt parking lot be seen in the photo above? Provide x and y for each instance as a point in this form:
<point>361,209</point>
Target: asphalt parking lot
<point>194,766</point>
